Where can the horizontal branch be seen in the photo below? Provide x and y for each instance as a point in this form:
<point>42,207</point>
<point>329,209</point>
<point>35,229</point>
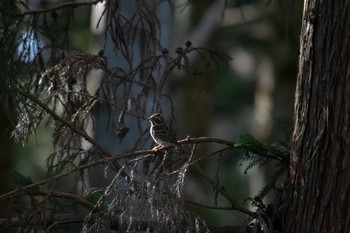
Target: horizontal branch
<point>61,219</point>
<point>207,140</point>
<point>131,155</point>
<point>103,151</point>
<point>70,196</point>
<point>17,222</point>
<point>128,155</point>
<point>209,207</point>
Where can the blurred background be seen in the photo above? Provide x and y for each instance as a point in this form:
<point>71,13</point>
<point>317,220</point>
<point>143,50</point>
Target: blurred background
<point>253,93</point>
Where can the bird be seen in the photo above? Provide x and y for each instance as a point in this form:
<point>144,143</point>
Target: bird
<point>162,135</point>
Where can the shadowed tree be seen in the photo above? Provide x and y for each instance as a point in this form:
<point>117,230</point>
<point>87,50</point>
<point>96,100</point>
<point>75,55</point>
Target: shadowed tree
<point>318,197</point>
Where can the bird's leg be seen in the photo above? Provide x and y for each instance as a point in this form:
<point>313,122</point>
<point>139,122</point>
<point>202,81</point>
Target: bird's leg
<point>158,147</point>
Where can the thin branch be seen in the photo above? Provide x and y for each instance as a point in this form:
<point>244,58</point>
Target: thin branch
<point>129,155</point>
<point>210,154</point>
<point>70,196</point>
<point>77,169</point>
<point>234,204</point>
<point>66,221</point>
<point>56,219</point>
<point>56,8</point>
<point>16,222</point>
<point>81,133</point>
<point>134,154</point>
<point>197,169</point>
<point>96,98</point>
<point>207,139</point>
<point>209,207</point>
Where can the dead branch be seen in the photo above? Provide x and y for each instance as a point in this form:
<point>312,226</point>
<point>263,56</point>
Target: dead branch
<point>81,133</point>
<point>61,219</point>
<point>56,8</point>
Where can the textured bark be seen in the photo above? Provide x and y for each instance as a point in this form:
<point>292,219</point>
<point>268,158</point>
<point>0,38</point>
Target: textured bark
<point>318,198</point>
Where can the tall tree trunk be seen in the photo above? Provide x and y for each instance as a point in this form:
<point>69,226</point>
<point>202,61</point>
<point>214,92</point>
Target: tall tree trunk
<point>319,185</point>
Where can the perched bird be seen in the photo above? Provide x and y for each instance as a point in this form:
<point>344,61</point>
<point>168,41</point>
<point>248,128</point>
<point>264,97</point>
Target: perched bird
<point>161,134</point>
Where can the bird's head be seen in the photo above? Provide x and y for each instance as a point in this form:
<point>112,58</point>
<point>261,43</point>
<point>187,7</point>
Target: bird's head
<point>156,119</point>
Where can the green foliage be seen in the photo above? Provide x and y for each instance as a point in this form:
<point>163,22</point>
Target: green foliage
<point>20,179</point>
<point>95,195</point>
<point>258,154</point>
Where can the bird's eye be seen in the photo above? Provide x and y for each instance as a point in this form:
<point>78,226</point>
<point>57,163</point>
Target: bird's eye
<point>157,120</point>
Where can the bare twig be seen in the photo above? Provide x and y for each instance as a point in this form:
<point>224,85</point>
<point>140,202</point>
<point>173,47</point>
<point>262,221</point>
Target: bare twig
<point>132,155</point>
<point>56,8</point>
<point>57,219</point>
<point>70,196</point>
<point>208,140</point>
<point>234,204</point>
<point>209,207</point>
<point>210,154</point>
<point>81,133</point>
<point>129,155</point>
<point>77,169</point>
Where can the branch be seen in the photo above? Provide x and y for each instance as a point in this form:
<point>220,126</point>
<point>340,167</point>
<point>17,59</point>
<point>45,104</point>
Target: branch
<point>129,155</point>
<point>57,219</point>
<point>234,204</point>
<point>207,140</point>
<point>70,196</point>
<point>77,169</point>
<point>197,169</point>
<point>56,8</point>
<point>210,154</point>
<point>81,133</point>
<point>209,207</point>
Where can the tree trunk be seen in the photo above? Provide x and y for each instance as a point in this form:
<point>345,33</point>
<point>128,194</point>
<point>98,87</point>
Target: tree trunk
<point>318,197</point>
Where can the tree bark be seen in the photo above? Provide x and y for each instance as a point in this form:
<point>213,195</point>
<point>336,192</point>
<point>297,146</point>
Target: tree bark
<point>318,197</point>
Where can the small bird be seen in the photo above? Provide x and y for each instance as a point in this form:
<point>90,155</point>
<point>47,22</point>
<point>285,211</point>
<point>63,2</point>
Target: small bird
<point>161,134</point>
